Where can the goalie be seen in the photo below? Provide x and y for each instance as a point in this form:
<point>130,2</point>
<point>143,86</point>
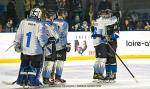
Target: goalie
<point>30,40</point>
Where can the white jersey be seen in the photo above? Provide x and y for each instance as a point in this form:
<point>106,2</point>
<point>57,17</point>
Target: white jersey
<point>100,28</point>
<point>52,31</point>
<point>63,30</point>
<point>32,36</point>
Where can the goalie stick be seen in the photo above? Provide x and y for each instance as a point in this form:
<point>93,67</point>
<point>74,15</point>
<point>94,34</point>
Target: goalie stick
<point>8,82</point>
<point>9,47</point>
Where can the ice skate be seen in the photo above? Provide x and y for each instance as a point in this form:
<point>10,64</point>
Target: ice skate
<point>110,78</point>
<point>98,77</point>
<point>48,82</point>
<point>59,80</point>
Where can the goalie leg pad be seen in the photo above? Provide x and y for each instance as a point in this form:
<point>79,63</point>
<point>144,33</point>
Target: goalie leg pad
<point>29,73</point>
<point>99,65</point>
<point>22,79</point>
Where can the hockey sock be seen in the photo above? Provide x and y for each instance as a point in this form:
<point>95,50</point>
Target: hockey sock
<point>108,68</point>
<point>47,69</point>
<point>59,67</point>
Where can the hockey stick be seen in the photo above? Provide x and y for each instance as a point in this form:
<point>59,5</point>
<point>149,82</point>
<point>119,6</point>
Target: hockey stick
<point>9,47</point>
<point>8,83</point>
<point>122,62</point>
<point>54,65</point>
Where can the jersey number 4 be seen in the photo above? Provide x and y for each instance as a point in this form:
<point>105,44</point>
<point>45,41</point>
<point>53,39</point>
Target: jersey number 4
<point>28,39</point>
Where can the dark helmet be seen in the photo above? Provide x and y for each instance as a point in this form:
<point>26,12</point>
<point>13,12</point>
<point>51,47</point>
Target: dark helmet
<point>50,13</point>
<point>104,7</point>
<point>61,12</point>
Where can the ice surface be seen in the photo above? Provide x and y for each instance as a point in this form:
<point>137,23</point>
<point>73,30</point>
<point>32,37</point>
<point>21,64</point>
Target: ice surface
<point>79,75</point>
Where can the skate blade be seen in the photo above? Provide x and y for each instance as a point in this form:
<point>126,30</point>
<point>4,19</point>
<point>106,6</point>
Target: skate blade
<point>109,81</point>
<point>97,81</point>
<point>60,83</point>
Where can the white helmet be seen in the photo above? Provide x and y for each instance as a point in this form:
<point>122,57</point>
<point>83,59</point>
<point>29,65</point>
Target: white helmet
<point>36,12</point>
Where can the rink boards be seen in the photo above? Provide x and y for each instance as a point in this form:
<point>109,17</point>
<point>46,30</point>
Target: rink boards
<point>131,45</point>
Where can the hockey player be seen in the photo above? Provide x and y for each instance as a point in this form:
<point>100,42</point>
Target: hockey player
<point>50,48</point>
<point>111,64</point>
<point>99,35</point>
<point>62,46</point>
<point>29,40</point>
<point>113,35</point>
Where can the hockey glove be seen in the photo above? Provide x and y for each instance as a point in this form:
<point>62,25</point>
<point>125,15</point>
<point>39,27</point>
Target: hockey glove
<point>94,35</point>
<point>51,40</point>
<point>17,47</point>
<point>98,35</point>
<point>114,36</point>
<point>68,47</point>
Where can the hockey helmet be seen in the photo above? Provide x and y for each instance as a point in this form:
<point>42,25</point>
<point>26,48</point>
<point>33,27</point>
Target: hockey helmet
<point>35,12</point>
<point>50,13</point>
<point>62,12</point>
<point>104,7</point>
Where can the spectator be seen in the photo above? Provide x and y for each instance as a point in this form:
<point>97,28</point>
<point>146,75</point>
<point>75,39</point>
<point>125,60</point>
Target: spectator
<point>76,23</point>
<point>11,13</point>
<point>147,26</point>
<point>84,26</point>
<point>62,4</point>
<point>11,9</point>
<point>9,26</point>
<point>128,25</point>
<point>28,5</point>
<point>50,4</point>
<point>140,25</point>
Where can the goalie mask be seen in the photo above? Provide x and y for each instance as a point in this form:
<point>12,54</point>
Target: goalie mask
<point>36,12</point>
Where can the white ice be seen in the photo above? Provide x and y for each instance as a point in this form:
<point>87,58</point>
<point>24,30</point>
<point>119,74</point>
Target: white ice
<point>78,75</point>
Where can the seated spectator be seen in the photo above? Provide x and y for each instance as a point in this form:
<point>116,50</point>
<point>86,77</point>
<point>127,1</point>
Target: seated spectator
<point>85,26</point>
<point>76,27</point>
<point>9,26</point>
<point>76,23</point>
<point>126,23</point>
<point>140,25</point>
<point>147,26</point>
<point>28,5</point>
<point>11,13</point>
